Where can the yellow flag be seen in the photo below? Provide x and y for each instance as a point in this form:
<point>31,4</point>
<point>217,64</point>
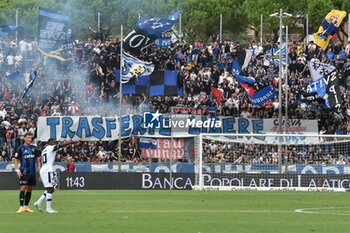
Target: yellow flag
<point>330,26</point>
<point>52,54</point>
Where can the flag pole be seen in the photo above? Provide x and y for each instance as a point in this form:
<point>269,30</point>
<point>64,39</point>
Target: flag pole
<point>349,27</point>
<point>220,28</point>
<point>16,27</point>
<point>280,96</point>
<point>98,21</point>
<point>307,28</point>
<point>286,103</point>
<point>261,29</point>
<point>120,99</point>
<point>180,27</point>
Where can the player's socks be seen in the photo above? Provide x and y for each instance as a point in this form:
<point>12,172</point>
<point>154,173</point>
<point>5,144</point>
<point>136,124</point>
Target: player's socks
<point>27,198</point>
<point>21,199</point>
<point>48,201</point>
<point>42,197</point>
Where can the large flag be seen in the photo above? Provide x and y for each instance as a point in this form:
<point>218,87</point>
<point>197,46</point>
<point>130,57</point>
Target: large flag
<point>236,68</point>
<point>333,91</point>
<point>244,56</point>
<point>8,30</point>
<point>328,88</point>
<point>274,53</point>
<point>156,26</point>
<point>330,26</point>
<point>53,54</point>
<point>165,39</point>
<point>242,60</point>
<point>247,57</point>
<point>319,70</point>
<point>134,68</point>
<point>164,83</point>
<point>258,93</point>
<point>159,83</point>
<point>30,83</point>
<point>134,86</point>
<point>318,86</point>
<point>53,30</point>
<point>147,31</point>
<point>14,75</point>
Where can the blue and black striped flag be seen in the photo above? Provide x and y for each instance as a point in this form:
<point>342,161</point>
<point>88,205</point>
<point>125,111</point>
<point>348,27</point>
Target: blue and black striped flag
<point>159,83</point>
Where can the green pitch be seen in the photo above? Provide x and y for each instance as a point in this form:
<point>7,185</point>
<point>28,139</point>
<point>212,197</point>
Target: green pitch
<point>181,211</point>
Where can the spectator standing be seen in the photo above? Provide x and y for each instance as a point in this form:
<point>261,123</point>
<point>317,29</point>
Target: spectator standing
<point>70,165</point>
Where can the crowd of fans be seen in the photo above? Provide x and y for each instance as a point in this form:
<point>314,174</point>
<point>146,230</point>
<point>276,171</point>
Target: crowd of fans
<point>85,85</point>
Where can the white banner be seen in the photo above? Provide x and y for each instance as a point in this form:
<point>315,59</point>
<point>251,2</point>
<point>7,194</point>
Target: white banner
<point>90,128</point>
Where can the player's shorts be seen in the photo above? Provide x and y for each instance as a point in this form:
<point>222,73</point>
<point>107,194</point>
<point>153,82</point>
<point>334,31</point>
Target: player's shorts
<point>28,179</point>
<point>49,179</point>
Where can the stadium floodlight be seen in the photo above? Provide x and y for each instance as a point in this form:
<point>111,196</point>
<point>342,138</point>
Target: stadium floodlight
<point>287,14</point>
<point>280,15</point>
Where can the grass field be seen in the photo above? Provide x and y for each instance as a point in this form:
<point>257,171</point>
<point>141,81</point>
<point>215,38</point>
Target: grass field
<point>181,211</point>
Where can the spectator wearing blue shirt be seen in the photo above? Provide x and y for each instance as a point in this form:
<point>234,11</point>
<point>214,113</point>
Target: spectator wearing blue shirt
<point>343,54</point>
<point>330,55</point>
<point>195,52</point>
<point>216,53</point>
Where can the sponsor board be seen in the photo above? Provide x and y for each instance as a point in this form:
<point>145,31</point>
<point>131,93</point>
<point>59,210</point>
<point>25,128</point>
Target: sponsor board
<point>186,181</point>
<point>277,181</point>
<point>190,168</point>
<point>126,181</point>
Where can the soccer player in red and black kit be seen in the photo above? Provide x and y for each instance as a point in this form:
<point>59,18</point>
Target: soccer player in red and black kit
<point>27,156</point>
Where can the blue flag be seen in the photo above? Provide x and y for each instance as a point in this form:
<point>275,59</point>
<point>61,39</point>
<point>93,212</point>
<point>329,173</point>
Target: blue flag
<point>147,143</point>
<point>159,83</point>
<point>134,86</point>
<point>147,31</point>
<point>236,68</point>
<point>14,75</point>
<point>274,53</point>
<point>53,30</point>
<point>134,68</point>
<point>164,83</point>
<point>257,93</point>
<point>29,85</point>
<point>156,26</point>
<point>7,30</point>
<point>319,86</point>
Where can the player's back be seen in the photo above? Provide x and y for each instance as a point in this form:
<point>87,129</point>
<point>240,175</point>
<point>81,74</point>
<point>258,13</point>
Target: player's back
<point>48,157</point>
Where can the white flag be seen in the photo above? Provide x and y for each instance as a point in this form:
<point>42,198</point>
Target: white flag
<point>319,70</point>
<point>248,58</point>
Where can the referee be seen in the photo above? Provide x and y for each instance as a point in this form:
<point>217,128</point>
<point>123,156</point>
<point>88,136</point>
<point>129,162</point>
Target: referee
<point>25,159</point>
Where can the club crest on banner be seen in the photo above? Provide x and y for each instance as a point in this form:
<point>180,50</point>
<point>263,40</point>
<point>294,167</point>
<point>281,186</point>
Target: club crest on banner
<point>134,68</point>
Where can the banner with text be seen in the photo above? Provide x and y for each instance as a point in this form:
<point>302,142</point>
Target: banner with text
<point>89,128</point>
<point>176,167</point>
<point>166,148</point>
<point>53,30</point>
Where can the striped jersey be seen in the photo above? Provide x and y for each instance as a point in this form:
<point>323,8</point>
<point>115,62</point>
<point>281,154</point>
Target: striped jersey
<point>27,156</point>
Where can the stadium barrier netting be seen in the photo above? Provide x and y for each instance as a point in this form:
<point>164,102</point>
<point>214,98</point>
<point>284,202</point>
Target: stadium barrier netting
<point>280,153</point>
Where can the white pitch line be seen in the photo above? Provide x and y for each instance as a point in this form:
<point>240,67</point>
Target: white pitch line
<point>168,211</point>
<point>317,211</point>
<point>190,211</point>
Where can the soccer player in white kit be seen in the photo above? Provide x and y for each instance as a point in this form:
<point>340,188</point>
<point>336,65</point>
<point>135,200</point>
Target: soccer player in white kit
<point>47,174</point>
